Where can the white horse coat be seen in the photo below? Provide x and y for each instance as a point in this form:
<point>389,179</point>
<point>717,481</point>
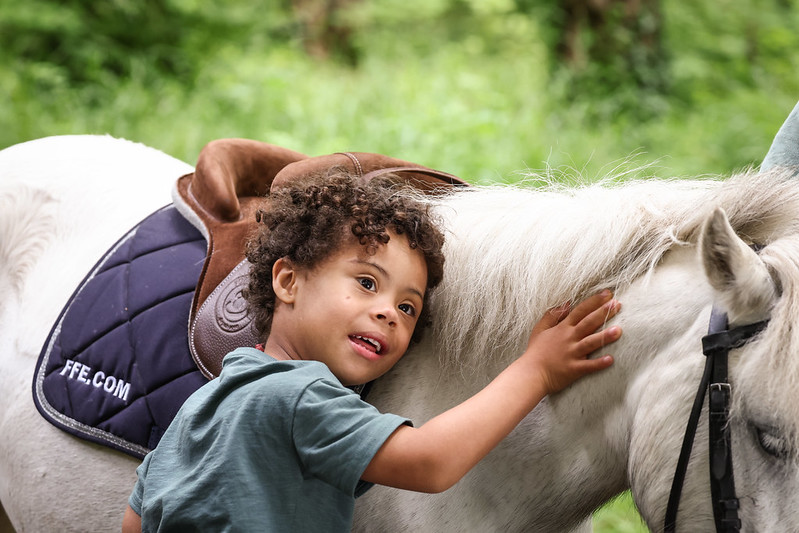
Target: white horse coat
<point>511,254</point>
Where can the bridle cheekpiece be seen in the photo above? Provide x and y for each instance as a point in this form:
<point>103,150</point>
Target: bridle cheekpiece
<point>716,346</point>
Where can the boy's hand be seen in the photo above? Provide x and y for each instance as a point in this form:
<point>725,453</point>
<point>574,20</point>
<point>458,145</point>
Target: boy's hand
<point>564,337</point>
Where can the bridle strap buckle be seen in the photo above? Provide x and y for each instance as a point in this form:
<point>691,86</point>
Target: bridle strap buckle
<point>719,400</point>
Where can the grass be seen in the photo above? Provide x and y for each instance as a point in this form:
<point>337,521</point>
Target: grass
<point>619,516</point>
<point>465,113</point>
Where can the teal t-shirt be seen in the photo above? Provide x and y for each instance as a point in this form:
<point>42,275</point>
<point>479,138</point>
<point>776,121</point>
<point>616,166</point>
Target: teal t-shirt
<point>267,446</point>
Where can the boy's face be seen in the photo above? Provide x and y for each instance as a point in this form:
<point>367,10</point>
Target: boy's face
<point>354,312</point>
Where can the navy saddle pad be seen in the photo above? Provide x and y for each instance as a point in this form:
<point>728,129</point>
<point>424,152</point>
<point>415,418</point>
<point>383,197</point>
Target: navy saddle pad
<point>116,366</point>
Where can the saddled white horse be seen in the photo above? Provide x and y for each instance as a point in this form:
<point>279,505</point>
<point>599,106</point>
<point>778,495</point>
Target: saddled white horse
<point>664,246</point>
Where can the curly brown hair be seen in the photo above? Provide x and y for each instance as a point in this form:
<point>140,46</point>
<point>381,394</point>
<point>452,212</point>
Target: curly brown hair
<point>305,223</point>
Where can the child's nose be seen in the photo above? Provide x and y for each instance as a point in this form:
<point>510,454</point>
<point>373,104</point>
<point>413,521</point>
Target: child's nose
<point>386,313</point>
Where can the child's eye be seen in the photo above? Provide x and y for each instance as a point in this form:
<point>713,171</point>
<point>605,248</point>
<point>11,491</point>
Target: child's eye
<point>367,283</point>
<point>408,309</point>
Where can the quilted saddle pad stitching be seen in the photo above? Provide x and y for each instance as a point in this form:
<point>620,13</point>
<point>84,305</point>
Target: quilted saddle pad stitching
<point>126,322</point>
<point>165,380</point>
<point>102,268</point>
<point>67,422</point>
<point>107,436</point>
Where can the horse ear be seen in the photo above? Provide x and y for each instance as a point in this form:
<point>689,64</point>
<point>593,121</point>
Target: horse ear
<point>743,285</point>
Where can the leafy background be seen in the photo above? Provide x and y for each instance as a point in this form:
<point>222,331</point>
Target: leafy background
<point>485,89</point>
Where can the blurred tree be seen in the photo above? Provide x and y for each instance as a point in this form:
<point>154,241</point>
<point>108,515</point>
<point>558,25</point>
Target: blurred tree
<point>727,45</point>
<point>326,30</point>
<point>614,48</point>
<point>86,40</point>
<point>611,51</point>
<point>90,42</point>
<point>635,57</point>
<point>607,32</point>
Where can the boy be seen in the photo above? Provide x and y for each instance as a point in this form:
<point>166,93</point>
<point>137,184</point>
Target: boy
<point>340,277</point>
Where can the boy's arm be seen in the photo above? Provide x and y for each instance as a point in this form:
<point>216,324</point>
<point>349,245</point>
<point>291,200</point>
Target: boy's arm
<point>131,522</point>
<point>435,456</point>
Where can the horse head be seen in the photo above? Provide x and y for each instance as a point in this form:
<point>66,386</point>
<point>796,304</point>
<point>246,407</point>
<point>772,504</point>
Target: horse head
<point>763,421</point>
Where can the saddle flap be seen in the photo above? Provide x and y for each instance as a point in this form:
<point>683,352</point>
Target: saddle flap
<point>222,322</point>
<point>220,199</point>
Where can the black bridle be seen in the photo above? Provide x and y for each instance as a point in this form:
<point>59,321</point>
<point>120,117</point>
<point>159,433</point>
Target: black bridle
<point>716,345</point>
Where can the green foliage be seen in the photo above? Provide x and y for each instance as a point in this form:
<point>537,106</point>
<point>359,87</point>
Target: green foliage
<point>723,47</point>
<point>463,85</point>
<point>619,516</point>
<point>85,42</point>
<point>92,41</point>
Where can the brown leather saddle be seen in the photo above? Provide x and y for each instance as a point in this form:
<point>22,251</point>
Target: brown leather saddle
<point>221,197</point>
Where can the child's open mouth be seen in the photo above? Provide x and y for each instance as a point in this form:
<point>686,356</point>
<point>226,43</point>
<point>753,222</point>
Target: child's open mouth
<point>367,343</point>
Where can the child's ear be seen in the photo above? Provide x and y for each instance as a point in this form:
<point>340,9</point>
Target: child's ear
<point>284,280</point>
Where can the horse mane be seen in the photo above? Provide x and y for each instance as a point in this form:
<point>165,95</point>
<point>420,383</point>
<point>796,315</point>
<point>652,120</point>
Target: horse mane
<point>513,252</point>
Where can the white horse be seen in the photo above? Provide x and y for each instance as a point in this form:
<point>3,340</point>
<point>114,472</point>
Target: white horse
<point>664,247</point>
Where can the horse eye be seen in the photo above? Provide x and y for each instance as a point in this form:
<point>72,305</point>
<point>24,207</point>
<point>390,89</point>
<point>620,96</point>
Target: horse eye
<point>771,443</point>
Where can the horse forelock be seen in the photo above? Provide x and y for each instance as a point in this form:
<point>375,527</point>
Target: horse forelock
<point>513,252</point>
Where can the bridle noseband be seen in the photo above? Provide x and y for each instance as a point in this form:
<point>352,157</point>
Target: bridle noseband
<point>716,345</point>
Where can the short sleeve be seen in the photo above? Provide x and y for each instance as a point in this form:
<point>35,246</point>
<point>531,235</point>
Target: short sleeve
<point>137,496</point>
<point>336,434</point>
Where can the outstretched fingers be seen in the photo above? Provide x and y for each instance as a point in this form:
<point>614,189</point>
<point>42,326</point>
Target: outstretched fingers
<point>590,316</point>
<point>564,338</point>
<point>597,318</point>
<point>589,366</point>
<point>589,306</point>
<point>600,309</point>
<point>552,317</point>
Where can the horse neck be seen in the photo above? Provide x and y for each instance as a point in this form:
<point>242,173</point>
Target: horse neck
<point>599,425</point>
<point>580,434</point>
